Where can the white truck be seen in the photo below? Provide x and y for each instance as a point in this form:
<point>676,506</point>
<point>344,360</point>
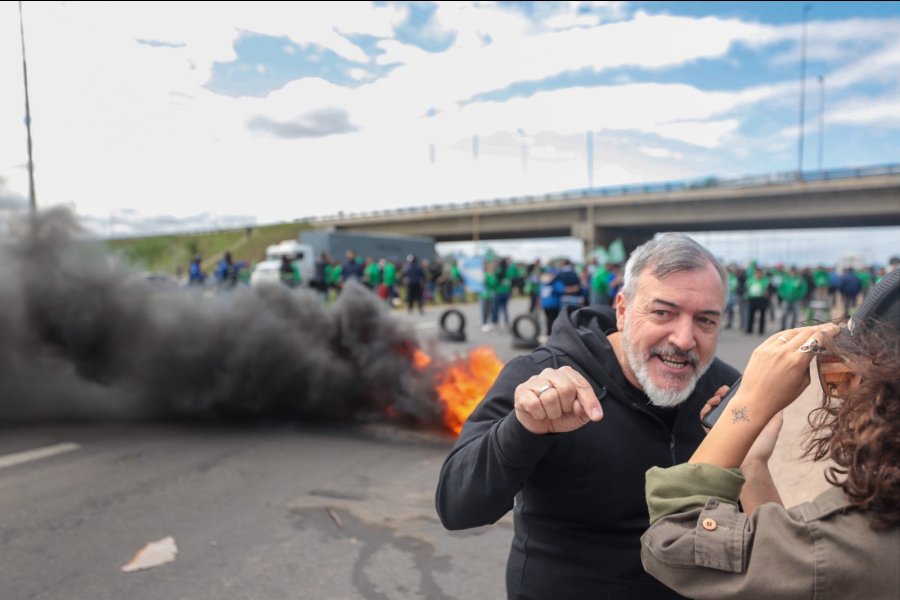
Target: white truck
<point>269,270</point>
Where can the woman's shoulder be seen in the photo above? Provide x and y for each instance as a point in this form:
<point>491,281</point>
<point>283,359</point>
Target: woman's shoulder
<point>829,503</point>
<point>852,548</point>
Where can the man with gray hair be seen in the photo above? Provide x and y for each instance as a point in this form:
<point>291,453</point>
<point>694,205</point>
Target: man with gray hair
<point>566,433</point>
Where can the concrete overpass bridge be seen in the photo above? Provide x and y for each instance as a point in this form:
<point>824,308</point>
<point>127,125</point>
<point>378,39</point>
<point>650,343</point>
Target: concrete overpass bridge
<point>836,198</point>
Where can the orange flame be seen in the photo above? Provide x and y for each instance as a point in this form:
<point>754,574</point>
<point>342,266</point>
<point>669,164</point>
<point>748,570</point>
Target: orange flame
<point>420,360</point>
<point>462,386</point>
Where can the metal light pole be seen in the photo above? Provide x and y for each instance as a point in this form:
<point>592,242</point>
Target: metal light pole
<point>31,193</point>
<point>821,119</point>
<point>806,9</point>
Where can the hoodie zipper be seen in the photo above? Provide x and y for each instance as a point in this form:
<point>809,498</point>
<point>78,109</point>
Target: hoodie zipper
<point>672,446</point>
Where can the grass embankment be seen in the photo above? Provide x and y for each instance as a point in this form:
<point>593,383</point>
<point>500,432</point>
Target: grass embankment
<point>166,253</point>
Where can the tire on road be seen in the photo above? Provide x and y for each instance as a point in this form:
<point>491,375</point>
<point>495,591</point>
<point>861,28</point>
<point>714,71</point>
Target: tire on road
<point>525,340</point>
<point>448,333</point>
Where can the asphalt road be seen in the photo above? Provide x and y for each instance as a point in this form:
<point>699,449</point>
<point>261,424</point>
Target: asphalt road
<point>273,512</point>
<point>269,512</point>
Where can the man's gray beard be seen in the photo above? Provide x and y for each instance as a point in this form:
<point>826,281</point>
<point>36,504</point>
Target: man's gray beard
<point>658,396</point>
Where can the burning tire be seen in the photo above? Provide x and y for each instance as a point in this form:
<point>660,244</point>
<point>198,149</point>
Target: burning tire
<point>447,332</point>
<point>529,339</point>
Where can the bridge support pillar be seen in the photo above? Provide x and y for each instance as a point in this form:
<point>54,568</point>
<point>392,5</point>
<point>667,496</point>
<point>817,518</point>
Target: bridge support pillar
<point>586,231</point>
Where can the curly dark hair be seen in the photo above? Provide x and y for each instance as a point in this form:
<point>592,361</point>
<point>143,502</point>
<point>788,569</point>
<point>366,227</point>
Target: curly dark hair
<point>861,433</point>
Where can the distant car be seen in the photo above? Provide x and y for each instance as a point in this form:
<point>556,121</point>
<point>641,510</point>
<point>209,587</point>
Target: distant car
<point>269,270</point>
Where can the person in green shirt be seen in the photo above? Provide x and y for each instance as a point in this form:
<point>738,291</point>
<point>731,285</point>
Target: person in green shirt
<point>600,286</point>
<point>389,279</point>
<point>791,291</point>
<point>502,291</point>
<point>457,282</point>
<point>820,277</point>
<point>372,274</point>
<point>865,277</point>
<point>336,276</point>
<point>487,296</point>
<point>758,298</point>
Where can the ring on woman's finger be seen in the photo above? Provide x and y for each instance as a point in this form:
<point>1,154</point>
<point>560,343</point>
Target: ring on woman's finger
<point>543,388</point>
<point>812,345</point>
<point>783,339</point>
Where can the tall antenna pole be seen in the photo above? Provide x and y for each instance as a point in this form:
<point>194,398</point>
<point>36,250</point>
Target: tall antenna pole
<point>31,193</point>
<point>806,9</point>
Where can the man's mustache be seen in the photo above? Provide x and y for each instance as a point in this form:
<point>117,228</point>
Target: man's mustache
<point>671,352</point>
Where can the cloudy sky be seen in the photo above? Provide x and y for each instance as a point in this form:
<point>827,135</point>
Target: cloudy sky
<point>168,116</point>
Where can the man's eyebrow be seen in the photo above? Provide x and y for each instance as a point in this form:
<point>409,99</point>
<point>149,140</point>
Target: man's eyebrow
<point>670,304</point>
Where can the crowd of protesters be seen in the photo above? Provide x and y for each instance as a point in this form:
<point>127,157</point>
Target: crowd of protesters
<point>413,281</point>
<point>782,296</point>
<point>757,292</point>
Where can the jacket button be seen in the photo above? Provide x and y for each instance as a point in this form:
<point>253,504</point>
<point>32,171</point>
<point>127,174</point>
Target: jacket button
<point>710,524</point>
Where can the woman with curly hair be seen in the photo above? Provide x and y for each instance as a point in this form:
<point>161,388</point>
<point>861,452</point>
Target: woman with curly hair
<point>843,544</point>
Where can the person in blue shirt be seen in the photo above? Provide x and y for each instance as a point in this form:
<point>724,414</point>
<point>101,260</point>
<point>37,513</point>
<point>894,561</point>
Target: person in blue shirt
<point>196,276</point>
<point>227,272</point>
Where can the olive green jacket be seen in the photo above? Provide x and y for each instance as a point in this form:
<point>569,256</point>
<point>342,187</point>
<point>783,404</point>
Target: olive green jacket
<point>702,546</point>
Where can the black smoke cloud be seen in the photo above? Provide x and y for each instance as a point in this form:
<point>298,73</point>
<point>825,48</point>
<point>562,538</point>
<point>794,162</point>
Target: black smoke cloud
<point>82,339</point>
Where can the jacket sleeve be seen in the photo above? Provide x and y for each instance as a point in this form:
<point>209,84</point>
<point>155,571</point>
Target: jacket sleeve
<point>709,549</point>
<point>492,457</point>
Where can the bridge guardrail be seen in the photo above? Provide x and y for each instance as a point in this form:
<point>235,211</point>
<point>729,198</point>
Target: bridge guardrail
<point>748,181</point>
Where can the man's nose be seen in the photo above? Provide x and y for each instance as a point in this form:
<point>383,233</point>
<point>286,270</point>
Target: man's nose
<point>682,334</point>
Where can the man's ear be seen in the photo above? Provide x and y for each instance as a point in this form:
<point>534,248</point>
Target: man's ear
<point>621,305</point>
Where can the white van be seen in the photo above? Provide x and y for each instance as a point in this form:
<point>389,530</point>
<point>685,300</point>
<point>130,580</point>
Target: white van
<point>269,270</point>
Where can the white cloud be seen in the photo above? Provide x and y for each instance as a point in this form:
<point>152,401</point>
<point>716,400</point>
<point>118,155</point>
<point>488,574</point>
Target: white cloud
<point>517,57</point>
<point>884,111</point>
<point>674,111</point>
<point>834,41</point>
<point>882,65</point>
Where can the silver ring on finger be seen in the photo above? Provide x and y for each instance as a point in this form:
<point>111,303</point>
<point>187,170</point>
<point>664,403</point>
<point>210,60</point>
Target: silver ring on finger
<point>811,346</point>
<point>544,388</point>
<point>783,339</point>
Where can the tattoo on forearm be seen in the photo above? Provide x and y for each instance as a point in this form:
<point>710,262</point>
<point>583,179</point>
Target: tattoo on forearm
<point>739,414</point>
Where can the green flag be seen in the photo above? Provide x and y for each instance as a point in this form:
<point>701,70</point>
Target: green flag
<point>617,252</point>
<point>600,254</point>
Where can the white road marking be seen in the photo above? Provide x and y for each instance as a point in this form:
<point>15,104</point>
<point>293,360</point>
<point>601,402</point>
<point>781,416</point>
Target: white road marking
<point>17,458</point>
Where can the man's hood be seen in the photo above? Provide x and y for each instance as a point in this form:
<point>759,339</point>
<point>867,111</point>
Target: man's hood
<point>581,334</point>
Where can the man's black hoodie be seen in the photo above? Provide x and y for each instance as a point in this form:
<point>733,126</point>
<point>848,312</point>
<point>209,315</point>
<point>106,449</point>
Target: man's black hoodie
<point>579,496</point>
